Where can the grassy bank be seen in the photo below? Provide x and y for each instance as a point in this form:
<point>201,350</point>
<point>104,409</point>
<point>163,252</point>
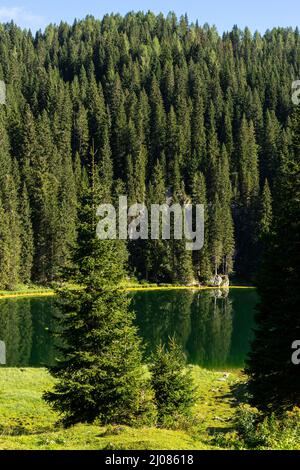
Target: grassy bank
<point>26,422</point>
<point>25,291</point>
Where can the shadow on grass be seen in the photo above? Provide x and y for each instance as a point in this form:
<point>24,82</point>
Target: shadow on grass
<point>237,396</point>
<point>19,429</point>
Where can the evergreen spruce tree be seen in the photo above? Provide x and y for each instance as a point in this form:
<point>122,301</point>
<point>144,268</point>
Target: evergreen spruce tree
<point>118,127</point>
<point>198,130</point>
<point>99,375</point>
<point>246,214</point>
<point>181,258</point>
<point>248,163</point>
<point>45,172</point>
<point>4,250</point>
<point>266,211</point>
<point>227,131</point>
<point>97,114</point>
<point>213,151</point>
<point>271,156</point>
<point>81,133</point>
<point>171,139</point>
<point>201,258</point>
<point>27,241</point>
<point>158,266</point>
<point>224,192</point>
<point>157,123</point>
<point>67,215</point>
<point>274,381</point>
<point>216,235</point>
<point>106,167</point>
<point>9,187</point>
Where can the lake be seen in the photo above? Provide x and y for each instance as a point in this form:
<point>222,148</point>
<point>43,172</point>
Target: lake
<point>213,327</point>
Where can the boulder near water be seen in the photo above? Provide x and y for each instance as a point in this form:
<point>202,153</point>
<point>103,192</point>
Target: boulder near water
<point>219,281</point>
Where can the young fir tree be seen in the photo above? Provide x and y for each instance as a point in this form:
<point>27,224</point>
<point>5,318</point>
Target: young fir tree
<point>99,375</point>
<point>172,383</point>
<point>274,380</point>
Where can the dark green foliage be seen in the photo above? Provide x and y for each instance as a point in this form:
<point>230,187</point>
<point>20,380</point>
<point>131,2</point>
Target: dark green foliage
<point>222,229</point>
<point>27,242</point>
<point>100,375</point>
<point>10,225</point>
<point>266,211</point>
<point>247,213</point>
<point>140,89</point>
<point>4,249</point>
<point>172,383</point>
<point>201,258</point>
<point>158,252</point>
<point>274,380</point>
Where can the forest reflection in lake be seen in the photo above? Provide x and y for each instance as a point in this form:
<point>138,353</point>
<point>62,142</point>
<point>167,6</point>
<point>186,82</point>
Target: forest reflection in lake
<point>213,327</point>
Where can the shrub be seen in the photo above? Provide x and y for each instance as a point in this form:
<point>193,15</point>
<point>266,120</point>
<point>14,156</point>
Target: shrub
<point>172,384</point>
<point>257,431</point>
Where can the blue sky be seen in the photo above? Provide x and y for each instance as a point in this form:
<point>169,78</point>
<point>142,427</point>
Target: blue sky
<point>257,14</point>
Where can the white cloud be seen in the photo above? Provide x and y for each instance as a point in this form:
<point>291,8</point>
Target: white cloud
<point>21,17</point>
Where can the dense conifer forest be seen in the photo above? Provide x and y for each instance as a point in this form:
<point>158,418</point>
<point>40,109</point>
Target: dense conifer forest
<point>157,106</point>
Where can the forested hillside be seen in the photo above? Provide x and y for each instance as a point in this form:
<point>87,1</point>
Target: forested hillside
<point>161,107</point>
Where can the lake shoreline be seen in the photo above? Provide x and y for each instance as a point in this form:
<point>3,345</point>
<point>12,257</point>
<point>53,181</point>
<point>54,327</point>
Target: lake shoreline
<point>51,293</point>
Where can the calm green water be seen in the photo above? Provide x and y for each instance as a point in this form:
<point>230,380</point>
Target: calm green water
<point>214,327</point>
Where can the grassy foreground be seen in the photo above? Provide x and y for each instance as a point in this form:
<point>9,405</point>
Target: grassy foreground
<point>26,422</point>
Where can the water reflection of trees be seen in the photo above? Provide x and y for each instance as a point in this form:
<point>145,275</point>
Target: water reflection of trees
<point>25,329</point>
<point>211,318</point>
<point>201,322</point>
